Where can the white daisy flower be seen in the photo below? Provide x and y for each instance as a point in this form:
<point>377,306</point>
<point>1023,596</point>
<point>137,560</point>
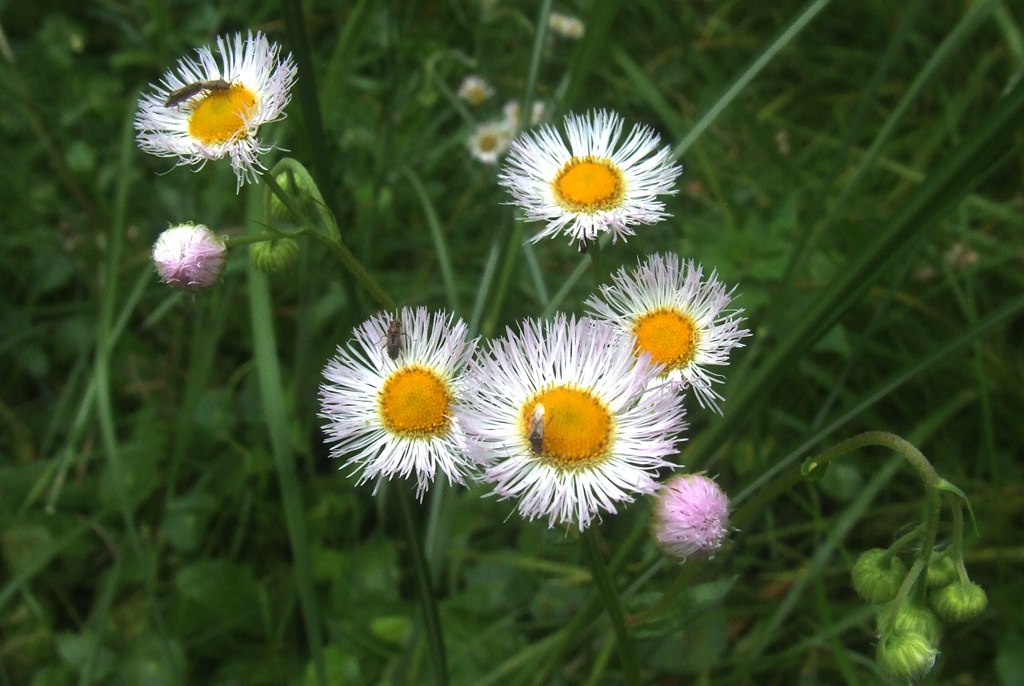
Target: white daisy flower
<point>566,25</point>
<point>475,89</point>
<point>490,141</point>
<point>204,110</point>
<point>592,184</point>
<point>676,317</point>
<point>391,399</point>
<point>558,415</point>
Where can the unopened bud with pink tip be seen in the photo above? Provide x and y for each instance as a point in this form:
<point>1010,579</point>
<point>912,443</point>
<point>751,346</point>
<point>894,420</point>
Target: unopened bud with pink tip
<point>690,518</point>
<point>189,256</point>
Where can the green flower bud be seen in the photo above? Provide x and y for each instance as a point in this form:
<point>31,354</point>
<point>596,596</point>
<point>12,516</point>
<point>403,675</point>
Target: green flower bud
<point>275,255</point>
<point>911,617</point>
<point>941,570</point>
<point>959,601</point>
<point>904,654</point>
<point>300,188</point>
<point>877,579</point>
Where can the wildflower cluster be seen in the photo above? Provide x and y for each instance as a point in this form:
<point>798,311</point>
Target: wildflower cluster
<point>571,417</point>
<point>574,416</point>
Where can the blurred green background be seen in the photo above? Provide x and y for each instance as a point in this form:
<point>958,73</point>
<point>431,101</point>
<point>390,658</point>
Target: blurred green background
<point>853,167</point>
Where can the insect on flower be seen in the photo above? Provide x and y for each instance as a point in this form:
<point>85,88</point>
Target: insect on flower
<point>213,105</point>
<point>537,429</point>
<point>393,338</point>
<point>185,93</point>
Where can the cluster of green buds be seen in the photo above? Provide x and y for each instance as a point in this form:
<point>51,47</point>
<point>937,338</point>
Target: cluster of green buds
<point>913,603</point>
<point>913,606</point>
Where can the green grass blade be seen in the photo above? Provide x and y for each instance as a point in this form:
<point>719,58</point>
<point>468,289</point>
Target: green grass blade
<point>272,396</point>
<point>437,234</point>
<point>973,159</point>
<point>798,24</point>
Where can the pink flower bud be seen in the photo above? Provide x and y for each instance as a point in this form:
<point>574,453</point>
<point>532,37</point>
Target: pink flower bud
<point>690,517</point>
<point>189,256</point>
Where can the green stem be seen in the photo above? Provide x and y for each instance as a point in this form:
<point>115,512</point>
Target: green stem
<point>356,268</point>
<point>249,238</point>
<point>571,632</point>
<point>334,244</point>
<point>958,538</point>
<point>928,476</point>
<point>898,445</point>
<point>931,528</point>
<point>424,586</point>
<point>899,544</point>
<point>592,549</point>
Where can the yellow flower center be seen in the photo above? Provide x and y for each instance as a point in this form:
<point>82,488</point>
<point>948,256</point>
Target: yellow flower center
<point>589,184</point>
<point>487,142</point>
<point>577,427</point>
<point>414,402</point>
<point>222,115</point>
<point>668,336</point>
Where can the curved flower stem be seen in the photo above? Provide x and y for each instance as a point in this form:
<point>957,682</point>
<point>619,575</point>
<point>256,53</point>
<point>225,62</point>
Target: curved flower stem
<point>340,250</point>
<point>424,586</point>
<point>592,549</point>
<point>932,482</point>
<point>906,449</point>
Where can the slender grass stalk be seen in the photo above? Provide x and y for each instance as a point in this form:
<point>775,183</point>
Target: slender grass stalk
<point>272,396</point>
<point>591,51</point>
<point>424,587</point>
<point>512,247</point>
<point>313,129</point>
<point>965,28</point>
<point>536,55</point>
<point>533,265</point>
<point>966,165</point>
<point>792,30</point>
<point>483,287</point>
<point>436,233</point>
<point>747,511</point>
<point>98,617</point>
<point>627,653</point>
<point>806,240</point>
<point>763,635</point>
<point>105,341</point>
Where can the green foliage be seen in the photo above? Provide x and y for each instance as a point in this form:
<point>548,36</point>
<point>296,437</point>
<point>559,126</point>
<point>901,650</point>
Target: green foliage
<point>168,514</point>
